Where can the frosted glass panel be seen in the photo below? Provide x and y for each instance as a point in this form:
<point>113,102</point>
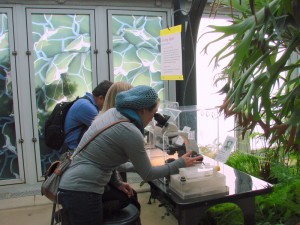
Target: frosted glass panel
<point>136,50</point>
<point>62,66</point>
<point>9,168</point>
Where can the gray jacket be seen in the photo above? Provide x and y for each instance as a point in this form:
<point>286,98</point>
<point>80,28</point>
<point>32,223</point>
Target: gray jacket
<point>93,168</point>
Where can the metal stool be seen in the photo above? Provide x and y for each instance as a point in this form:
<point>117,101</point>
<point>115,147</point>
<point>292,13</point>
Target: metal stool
<point>53,214</point>
<point>126,216</point>
<point>56,215</point>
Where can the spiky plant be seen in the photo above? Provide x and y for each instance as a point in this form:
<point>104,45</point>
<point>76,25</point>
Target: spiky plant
<point>262,83</point>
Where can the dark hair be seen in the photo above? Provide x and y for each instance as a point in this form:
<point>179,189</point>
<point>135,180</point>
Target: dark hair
<point>102,88</point>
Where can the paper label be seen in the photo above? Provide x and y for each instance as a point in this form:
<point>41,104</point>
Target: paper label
<point>171,53</point>
<point>224,153</point>
<point>180,140</point>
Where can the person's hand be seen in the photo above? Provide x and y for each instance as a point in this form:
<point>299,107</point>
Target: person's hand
<point>191,161</point>
<point>127,189</point>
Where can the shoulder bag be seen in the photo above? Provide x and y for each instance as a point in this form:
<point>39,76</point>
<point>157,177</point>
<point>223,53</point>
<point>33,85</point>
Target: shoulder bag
<point>56,169</point>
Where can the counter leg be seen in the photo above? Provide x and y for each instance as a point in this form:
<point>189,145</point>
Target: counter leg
<point>247,206</point>
<point>190,216</point>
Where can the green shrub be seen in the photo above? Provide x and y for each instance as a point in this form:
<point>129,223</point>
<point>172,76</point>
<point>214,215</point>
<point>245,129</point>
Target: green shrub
<point>280,206</point>
<point>223,214</point>
<point>245,162</point>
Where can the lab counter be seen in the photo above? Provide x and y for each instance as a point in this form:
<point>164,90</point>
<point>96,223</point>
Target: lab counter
<point>241,190</point>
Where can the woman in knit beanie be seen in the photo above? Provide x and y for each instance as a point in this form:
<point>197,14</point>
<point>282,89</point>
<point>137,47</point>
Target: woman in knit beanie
<point>82,185</point>
<point>138,104</point>
<point>114,199</point>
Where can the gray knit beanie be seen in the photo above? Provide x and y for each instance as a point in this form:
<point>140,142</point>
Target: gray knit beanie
<point>139,97</point>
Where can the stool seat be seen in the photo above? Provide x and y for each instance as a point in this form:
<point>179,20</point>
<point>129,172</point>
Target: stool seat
<point>126,216</point>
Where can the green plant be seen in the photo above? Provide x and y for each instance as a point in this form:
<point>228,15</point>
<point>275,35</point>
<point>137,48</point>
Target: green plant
<point>245,162</point>
<point>282,205</point>
<point>223,214</point>
<point>262,84</point>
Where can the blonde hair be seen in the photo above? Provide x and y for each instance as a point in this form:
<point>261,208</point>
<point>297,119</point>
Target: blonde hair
<point>109,101</point>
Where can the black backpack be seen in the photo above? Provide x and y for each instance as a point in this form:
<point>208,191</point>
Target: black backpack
<point>54,125</point>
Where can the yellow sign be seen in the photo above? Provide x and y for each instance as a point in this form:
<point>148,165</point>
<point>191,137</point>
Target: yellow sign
<point>171,53</point>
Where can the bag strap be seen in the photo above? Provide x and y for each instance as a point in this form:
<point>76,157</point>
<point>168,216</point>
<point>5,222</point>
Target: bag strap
<point>96,134</point>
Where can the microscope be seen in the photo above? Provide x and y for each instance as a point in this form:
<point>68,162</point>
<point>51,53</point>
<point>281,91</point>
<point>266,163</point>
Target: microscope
<point>170,139</point>
<point>198,180</point>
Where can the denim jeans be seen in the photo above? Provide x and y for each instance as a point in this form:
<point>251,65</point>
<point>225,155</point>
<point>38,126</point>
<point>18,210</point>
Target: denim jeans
<point>91,208</point>
<point>83,208</point>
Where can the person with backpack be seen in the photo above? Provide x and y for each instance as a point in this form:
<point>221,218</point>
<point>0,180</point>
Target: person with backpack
<point>82,113</point>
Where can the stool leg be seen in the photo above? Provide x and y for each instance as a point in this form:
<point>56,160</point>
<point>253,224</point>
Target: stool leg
<point>123,176</point>
<point>53,213</point>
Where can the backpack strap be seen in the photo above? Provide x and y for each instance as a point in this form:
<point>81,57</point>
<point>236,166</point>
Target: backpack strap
<point>96,134</point>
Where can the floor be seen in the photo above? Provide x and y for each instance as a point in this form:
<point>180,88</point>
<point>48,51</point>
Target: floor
<point>151,214</point>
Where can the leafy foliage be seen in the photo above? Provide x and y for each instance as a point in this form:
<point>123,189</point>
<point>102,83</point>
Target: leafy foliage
<point>281,206</point>
<point>223,214</point>
<point>245,162</point>
<point>262,90</point>
<point>262,87</point>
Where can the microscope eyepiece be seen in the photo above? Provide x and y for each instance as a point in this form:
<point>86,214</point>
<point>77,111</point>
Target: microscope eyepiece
<point>161,119</point>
